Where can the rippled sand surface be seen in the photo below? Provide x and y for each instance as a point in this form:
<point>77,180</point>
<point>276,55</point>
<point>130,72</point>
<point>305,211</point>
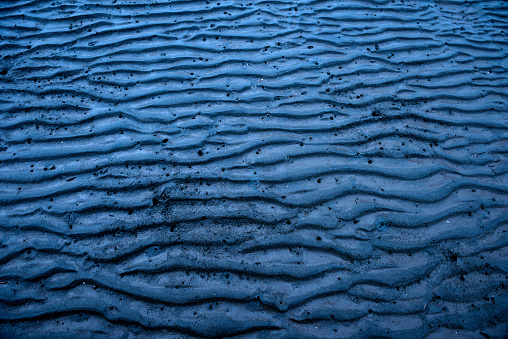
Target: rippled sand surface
<point>263,169</point>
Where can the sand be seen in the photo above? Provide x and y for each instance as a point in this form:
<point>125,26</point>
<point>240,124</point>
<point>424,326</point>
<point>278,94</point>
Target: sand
<point>263,169</point>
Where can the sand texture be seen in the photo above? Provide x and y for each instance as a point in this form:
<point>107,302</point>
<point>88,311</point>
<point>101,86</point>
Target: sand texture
<point>262,169</point>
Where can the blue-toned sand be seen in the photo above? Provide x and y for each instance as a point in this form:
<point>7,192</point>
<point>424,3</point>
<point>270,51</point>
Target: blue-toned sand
<point>262,169</point>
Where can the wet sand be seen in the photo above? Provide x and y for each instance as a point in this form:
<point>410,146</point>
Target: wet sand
<point>264,169</point>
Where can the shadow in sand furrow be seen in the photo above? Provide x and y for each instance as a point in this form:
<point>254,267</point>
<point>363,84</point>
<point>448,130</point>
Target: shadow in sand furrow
<point>250,122</point>
<point>246,96</point>
<point>371,216</point>
<point>120,139</point>
<point>48,156</point>
<point>187,287</point>
<point>432,186</point>
<point>329,308</point>
<point>59,279</point>
<point>156,72</point>
<point>114,247</point>
<point>158,321</point>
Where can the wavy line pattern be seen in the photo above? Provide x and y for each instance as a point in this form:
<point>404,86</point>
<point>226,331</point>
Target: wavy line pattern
<point>292,169</point>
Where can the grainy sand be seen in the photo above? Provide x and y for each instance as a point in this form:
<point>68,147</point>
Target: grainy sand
<point>263,169</point>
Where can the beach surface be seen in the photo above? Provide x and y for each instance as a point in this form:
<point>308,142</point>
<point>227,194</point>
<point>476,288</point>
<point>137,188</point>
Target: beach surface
<point>263,169</point>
